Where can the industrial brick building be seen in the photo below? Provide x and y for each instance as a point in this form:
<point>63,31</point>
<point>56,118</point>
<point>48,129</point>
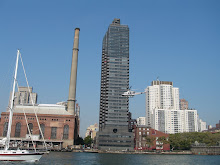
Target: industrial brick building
<point>56,123</point>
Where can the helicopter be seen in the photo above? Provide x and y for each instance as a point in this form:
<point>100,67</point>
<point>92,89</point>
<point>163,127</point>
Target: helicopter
<point>131,93</point>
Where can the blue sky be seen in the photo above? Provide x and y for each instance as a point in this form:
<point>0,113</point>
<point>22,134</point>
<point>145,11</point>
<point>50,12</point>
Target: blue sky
<point>176,40</point>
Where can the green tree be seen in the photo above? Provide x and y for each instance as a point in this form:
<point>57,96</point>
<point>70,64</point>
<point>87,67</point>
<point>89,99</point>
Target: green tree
<point>88,141</point>
<point>150,141</point>
<point>184,141</point>
<point>162,140</point>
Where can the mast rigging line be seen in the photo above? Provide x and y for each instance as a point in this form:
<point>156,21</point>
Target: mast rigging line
<point>11,105</point>
<point>32,101</point>
<point>27,124</point>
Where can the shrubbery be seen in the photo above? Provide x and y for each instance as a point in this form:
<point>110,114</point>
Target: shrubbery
<point>183,141</point>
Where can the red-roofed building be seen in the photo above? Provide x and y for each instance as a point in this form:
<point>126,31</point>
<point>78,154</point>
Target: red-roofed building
<point>150,139</point>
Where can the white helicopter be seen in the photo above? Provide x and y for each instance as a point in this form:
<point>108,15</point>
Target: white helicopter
<point>130,93</point>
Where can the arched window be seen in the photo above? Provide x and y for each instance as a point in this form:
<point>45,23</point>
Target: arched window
<point>30,125</point>
<point>5,129</point>
<point>65,132</point>
<point>42,127</point>
<point>17,130</point>
<point>53,132</point>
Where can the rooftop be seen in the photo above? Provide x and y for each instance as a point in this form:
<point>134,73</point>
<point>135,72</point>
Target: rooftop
<point>53,109</point>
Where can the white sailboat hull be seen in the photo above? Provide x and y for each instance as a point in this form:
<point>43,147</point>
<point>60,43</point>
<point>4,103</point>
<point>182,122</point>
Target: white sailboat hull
<point>22,155</point>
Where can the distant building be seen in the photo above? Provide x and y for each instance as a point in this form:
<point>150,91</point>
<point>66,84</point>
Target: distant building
<point>214,129</point>
<point>160,95</point>
<point>77,122</point>
<point>24,96</point>
<point>131,122</point>
<point>142,136</point>
<point>218,124</point>
<point>175,121</point>
<point>209,127</point>
<point>113,116</point>
<point>184,104</point>
<point>92,130</point>
<point>141,121</point>
<point>202,125</point>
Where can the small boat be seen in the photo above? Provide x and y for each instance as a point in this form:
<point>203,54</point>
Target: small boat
<point>20,155</point>
<point>16,155</point>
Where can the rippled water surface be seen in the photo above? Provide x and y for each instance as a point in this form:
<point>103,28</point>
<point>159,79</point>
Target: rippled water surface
<point>66,158</point>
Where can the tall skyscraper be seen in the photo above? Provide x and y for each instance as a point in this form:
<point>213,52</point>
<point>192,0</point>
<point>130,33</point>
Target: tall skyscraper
<point>113,118</point>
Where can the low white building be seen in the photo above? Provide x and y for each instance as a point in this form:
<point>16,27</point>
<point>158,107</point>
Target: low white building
<point>141,121</point>
<point>202,125</point>
<point>175,121</point>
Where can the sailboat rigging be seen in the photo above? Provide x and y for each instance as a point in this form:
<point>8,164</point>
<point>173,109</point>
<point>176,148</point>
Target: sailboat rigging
<point>18,155</point>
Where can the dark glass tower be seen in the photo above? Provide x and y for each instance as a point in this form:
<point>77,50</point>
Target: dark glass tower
<point>113,118</point>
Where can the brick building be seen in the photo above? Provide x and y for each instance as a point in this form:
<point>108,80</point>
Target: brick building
<point>56,124</point>
<point>214,129</point>
<point>184,104</point>
<point>144,134</point>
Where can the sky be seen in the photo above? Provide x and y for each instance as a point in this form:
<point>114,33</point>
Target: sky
<point>174,40</point>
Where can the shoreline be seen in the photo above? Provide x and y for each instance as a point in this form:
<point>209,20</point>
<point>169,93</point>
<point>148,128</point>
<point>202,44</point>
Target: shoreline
<point>134,152</point>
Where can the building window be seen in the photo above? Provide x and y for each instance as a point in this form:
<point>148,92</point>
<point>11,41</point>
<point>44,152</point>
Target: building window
<point>30,126</point>
<point>66,132</point>
<point>5,129</point>
<point>42,127</point>
<point>53,132</point>
<point>17,130</point>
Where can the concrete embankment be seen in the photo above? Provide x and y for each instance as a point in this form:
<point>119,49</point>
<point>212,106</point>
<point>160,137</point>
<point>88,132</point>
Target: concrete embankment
<point>200,151</point>
<point>206,150</point>
<point>134,152</point>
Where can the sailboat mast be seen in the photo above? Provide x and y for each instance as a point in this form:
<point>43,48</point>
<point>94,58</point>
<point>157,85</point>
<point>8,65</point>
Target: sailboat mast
<point>12,103</point>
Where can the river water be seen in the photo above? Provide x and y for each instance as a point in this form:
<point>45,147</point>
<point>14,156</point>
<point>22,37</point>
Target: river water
<point>71,158</point>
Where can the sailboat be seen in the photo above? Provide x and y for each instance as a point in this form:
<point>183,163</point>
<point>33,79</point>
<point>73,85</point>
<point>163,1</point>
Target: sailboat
<point>16,155</point>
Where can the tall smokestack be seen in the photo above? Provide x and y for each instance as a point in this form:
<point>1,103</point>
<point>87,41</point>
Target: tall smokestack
<point>73,74</point>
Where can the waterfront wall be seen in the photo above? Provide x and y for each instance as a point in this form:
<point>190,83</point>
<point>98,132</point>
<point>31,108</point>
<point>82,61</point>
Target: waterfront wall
<point>202,150</point>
